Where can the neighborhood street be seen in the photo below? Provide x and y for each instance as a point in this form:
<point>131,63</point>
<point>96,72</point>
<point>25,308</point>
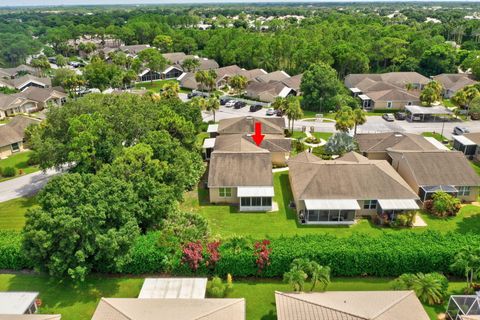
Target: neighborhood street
<point>373,124</point>
<point>26,185</point>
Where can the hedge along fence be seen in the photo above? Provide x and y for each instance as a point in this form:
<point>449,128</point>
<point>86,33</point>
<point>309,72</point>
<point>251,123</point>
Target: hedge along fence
<point>389,254</point>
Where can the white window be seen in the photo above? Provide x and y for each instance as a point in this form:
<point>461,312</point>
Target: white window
<point>370,204</point>
<point>463,190</point>
<point>225,192</point>
<point>389,104</point>
<point>15,147</point>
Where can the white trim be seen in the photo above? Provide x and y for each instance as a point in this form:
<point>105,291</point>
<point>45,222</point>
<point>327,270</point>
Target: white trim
<point>364,97</point>
<point>255,192</point>
<point>182,76</point>
<point>331,204</point>
<point>285,92</point>
<point>212,128</point>
<point>464,140</point>
<point>398,204</point>
<point>436,143</point>
<point>208,143</point>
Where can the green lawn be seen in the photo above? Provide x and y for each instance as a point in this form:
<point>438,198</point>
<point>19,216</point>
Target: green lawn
<point>78,301</point>
<point>298,135</point>
<point>322,135</point>
<point>476,166</point>
<point>226,221</point>
<point>12,213</point>
<point>155,86</point>
<point>20,162</point>
<point>435,135</point>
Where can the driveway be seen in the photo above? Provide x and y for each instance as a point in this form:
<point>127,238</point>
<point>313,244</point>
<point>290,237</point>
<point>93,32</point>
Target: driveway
<point>26,185</point>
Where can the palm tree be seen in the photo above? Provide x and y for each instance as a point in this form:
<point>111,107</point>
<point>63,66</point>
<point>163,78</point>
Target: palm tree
<point>428,288</point>
<point>319,274</point>
<point>359,117</point>
<point>212,105</point>
<point>293,111</point>
<point>296,278</point>
<point>201,77</point>
<point>170,90</point>
<point>344,119</point>
<point>467,260</point>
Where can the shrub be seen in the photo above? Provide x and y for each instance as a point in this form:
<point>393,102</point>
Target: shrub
<point>430,288</point>
<point>262,254</point>
<point>298,146</point>
<point>445,205</point>
<point>8,172</point>
<point>312,140</point>
<point>33,159</point>
<point>404,219</point>
<point>217,289</point>
<point>192,255</point>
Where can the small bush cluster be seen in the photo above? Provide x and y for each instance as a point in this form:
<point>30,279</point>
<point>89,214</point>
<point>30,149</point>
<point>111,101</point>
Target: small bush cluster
<point>442,205</point>
<point>8,172</point>
<point>312,140</point>
<point>217,289</point>
<point>430,288</point>
<point>401,220</point>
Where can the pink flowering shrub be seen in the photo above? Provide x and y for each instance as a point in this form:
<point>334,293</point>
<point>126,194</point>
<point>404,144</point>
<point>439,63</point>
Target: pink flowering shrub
<point>192,254</point>
<point>262,254</point>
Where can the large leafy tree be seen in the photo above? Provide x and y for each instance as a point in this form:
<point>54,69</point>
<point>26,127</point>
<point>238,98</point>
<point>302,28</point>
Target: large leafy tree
<point>190,64</point>
<point>102,75</point>
<point>438,59</point>
<point>345,119</point>
<point>319,86</point>
<point>153,60</point>
<point>467,260</point>
<point>84,223</point>
<point>238,83</point>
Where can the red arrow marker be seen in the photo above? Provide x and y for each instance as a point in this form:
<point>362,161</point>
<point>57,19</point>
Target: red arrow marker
<point>258,136</point>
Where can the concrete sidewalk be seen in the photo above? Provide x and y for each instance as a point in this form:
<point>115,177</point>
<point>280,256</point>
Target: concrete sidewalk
<point>26,185</point>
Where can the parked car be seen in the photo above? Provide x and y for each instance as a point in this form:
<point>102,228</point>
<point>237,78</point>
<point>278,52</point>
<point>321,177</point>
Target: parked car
<point>255,108</point>
<point>400,115</point>
<point>270,112</point>
<point>388,117</point>
<point>460,130</point>
<point>230,103</point>
<point>223,101</point>
<point>279,113</point>
<point>239,104</point>
<point>191,95</point>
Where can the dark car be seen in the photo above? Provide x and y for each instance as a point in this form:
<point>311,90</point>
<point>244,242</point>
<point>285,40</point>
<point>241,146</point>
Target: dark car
<point>400,115</point>
<point>279,113</point>
<point>223,101</point>
<point>256,107</point>
<point>191,95</point>
<point>239,104</point>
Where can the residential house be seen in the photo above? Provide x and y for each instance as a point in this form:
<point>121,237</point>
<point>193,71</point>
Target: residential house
<point>12,73</point>
<point>30,317</point>
<point>134,50</point>
<point>468,144</point>
<point>187,80</point>
<point>178,288</point>
<point>430,171</point>
<point>268,91</point>
<point>393,90</point>
<point>169,309</point>
<point>251,75</point>
<point>351,305</point>
<point>28,80</point>
<point>339,191</point>
<point>294,82</point>
<point>12,135</point>
<point>32,99</point>
<point>454,82</point>
<point>375,146</point>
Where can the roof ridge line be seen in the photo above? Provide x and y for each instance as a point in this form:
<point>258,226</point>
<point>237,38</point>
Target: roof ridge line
<point>113,307</point>
<point>235,301</point>
<point>319,305</point>
<point>409,293</point>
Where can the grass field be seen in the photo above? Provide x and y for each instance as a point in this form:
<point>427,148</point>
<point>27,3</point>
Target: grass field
<point>12,213</point>
<point>157,85</point>
<point>78,301</point>
<point>20,162</point>
<point>435,135</point>
<point>226,221</point>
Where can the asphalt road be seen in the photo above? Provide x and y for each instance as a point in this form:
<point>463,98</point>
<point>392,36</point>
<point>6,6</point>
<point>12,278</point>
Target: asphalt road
<point>26,185</point>
<point>373,124</point>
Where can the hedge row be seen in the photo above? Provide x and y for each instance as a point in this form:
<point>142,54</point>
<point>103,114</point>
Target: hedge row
<point>389,254</point>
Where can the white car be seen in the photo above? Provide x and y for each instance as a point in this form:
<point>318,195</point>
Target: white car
<point>230,103</point>
<point>270,112</point>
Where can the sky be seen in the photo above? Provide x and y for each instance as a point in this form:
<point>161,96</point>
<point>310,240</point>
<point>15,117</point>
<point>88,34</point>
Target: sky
<point>110,2</point>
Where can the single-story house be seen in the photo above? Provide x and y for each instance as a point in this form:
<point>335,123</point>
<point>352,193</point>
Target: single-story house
<point>268,91</point>
<point>28,80</point>
<point>187,80</point>
<point>375,146</point>
<point>177,58</point>
<point>171,72</point>
<point>251,75</point>
<point>134,50</point>
<point>11,73</point>
<point>393,90</point>
<point>45,96</point>
<point>430,171</point>
<point>339,191</point>
<point>453,82</point>
<point>350,305</point>
<point>12,104</point>
<point>12,135</point>
<point>294,82</point>
<point>241,175</point>
<point>170,309</point>
<point>246,125</point>
<point>468,144</point>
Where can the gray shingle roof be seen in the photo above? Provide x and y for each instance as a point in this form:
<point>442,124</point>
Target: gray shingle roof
<point>243,125</point>
<point>380,142</point>
<point>14,131</point>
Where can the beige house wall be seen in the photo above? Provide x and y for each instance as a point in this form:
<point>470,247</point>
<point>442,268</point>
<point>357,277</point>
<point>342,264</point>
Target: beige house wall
<point>474,191</point>
<point>214,194</point>
<point>6,151</point>
<point>395,104</point>
<point>279,158</point>
<point>377,155</point>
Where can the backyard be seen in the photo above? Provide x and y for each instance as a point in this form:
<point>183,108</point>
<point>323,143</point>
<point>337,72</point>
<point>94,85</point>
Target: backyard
<point>157,85</point>
<point>19,161</point>
<point>226,221</point>
<point>76,301</point>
